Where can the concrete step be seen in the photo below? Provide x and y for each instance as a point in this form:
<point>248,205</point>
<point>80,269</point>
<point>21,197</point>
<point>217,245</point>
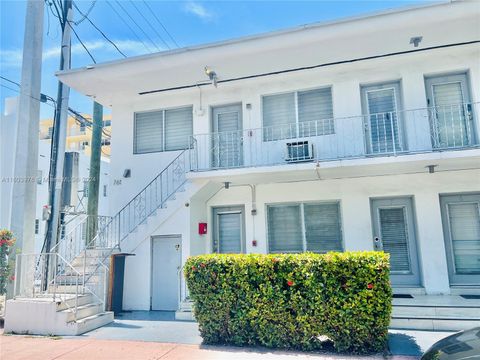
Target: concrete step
<point>83,311</point>
<point>93,322</point>
<point>433,324</point>
<point>458,312</point>
<point>185,311</point>
<point>82,300</point>
<point>435,312</point>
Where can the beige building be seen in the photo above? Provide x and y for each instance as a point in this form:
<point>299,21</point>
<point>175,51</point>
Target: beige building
<point>79,136</point>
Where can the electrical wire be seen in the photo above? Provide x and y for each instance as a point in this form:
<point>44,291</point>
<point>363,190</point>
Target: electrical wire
<point>311,67</point>
<point>98,29</point>
<point>149,24</point>
<point>76,114</point>
<point>81,42</point>
<point>86,13</point>
<point>128,25</point>
<point>133,20</point>
<point>10,81</point>
<point>161,24</point>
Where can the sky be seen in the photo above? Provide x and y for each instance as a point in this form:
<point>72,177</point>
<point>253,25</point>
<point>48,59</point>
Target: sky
<point>137,27</point>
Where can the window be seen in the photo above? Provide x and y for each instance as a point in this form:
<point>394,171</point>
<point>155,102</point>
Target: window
<point>37,226</point>
<point>312,227</point>
<point>298,114</point>
<point>163,130</point>
<point>50,132</point>
<point>105,142</point>
<point>107,122</point>
<point>82,127</point>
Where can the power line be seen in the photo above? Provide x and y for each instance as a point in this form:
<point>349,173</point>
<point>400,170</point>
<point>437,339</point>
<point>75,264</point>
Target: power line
<point>149,24</point>
<point>81,42</point>
<point>10,81</point>
<point>47,97</point>
<point>133,20</point>
<point>100,31</point>
<point>86,14</point>
<point>128,25</point>
<point>161,24</point>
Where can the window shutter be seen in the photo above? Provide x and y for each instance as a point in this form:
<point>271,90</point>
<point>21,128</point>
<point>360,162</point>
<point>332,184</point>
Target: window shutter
<point>322,227</point>
<point>279,119</point>
<point>178,128</point>
<point>394,237</point>
<point>148,136</point>
<point>229,233</point>
<point>315,112</point>
<point>448,94</point>
<point>465,233</point>
<point>284,229</point>
<point>382,109</point>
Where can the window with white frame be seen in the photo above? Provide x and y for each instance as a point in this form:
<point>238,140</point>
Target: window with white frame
<point>162,130</point>
<point>302,227</point>
<point>298,114</point>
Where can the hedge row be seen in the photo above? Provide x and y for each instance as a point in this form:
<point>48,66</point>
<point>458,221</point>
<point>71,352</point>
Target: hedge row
<point>292,301</point>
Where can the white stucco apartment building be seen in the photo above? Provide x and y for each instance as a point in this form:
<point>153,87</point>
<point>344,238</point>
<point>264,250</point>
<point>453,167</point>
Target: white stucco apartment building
<point>355,134</point>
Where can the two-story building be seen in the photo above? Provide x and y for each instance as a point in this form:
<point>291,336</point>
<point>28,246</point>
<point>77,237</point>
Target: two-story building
<point>356,134</point>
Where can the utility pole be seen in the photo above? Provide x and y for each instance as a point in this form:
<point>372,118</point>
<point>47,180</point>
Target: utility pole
<point>24,190</point>
<point>94,183</point>
<point>59,133</point>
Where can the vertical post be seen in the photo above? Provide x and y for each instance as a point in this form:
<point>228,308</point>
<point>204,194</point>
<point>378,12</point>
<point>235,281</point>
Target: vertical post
<point>60,132</point>
<point>94,183</point>
<point>26,156</point>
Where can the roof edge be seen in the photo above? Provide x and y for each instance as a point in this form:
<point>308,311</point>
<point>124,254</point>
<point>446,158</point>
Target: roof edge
<point>264,35</point>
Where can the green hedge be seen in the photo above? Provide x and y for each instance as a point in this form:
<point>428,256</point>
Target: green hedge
<point>292,301</point>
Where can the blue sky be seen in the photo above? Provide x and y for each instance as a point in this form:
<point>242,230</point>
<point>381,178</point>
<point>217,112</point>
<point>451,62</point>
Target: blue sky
<point>189,23</point>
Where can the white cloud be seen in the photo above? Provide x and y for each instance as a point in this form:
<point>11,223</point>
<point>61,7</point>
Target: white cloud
<point>198,10</point>
<point>102,50</point>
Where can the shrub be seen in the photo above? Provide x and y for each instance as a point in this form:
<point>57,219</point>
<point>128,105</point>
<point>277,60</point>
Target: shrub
<point>6,243</point>
<point>292,301</point>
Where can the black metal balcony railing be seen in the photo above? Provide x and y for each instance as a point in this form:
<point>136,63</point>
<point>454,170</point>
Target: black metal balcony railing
<point>382,134</point>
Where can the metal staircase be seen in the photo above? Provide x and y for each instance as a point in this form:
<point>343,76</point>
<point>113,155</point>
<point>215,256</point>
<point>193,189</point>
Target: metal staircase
<point>71,282</point>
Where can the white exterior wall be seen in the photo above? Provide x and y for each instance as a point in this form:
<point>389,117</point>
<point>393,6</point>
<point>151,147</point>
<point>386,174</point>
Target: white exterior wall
<point>354,195</point>
<point>345,81</point>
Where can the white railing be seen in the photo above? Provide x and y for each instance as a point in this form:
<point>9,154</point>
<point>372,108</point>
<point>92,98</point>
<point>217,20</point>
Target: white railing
<point>381,134</point>
<point>48,276</point>
<point>81,230</point>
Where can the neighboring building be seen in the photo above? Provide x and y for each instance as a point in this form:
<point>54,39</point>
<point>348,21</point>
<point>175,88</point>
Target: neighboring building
<point>77,155</point>
<point>347,135</point>
<point>79,134</point>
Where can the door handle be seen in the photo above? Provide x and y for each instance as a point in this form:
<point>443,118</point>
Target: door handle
<point>377,244</point>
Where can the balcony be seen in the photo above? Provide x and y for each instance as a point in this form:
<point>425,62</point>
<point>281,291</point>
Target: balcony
<point>433,129</point>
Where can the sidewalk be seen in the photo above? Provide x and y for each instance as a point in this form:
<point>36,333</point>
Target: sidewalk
<point>156,335</point>
<point>42,348</point>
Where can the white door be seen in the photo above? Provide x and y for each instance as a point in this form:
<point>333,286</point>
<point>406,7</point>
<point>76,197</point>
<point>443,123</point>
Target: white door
<point>166,266</point>
<point>228,237</point>
<point>383,120</point>
<point>227,139</point>
<point>451,111</point>
<point>461,226</point>
<point>394,227</point>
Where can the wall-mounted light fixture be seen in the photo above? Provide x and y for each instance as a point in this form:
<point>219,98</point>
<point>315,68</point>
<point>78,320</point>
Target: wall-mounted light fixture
<point>227,185</point>
<point>416,40</point>
<point>212,75</point>
<point>431,168</point>
<point>127,173</point>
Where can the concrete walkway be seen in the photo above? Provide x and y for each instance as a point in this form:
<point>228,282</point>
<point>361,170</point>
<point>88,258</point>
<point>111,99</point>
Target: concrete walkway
<point>156,335</point>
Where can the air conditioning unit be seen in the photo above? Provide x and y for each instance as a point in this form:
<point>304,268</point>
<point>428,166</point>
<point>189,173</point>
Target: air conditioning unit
<point>299,151</point>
